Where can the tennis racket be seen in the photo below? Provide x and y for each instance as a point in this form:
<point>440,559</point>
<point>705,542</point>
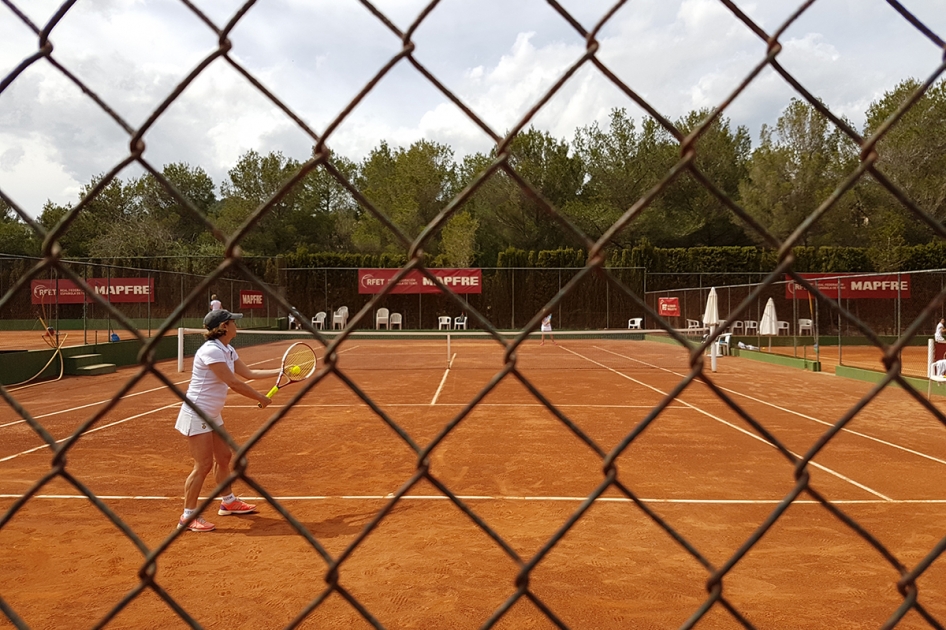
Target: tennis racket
<point>298,363</point>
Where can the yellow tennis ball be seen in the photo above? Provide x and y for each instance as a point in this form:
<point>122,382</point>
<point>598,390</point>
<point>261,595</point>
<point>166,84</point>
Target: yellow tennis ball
<point>295,370</point>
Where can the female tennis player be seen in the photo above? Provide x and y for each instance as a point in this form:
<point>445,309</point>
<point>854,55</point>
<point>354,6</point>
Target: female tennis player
<point>216,367</point>
<point>547,328</point>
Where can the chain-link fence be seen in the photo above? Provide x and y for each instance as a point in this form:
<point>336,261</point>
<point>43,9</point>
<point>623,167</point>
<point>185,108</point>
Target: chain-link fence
<point>50,296</point>
<point>885,302</point>
<point>528,311</point>
<point>510,297</point>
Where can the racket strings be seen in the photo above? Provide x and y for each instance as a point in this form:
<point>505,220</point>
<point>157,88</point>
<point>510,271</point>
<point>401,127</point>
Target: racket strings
<point>299,364</point>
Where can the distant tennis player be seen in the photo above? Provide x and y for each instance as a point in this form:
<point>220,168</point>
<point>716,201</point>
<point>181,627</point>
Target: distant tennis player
<point>547,328</point>
<point>215,304</point>
<point>216,367</point>
<point>940,329</point>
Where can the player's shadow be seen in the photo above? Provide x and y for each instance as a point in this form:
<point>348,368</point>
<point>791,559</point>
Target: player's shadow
<point>345,525</point>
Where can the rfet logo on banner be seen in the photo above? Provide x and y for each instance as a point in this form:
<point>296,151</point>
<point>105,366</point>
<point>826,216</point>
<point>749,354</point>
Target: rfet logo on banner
<point>457,280</point>
<point>251,299</point>
<point>851,286</point>
<point>111,290</point>
<point>668,307</point>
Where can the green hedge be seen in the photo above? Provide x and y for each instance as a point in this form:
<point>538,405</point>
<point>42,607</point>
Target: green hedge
<point>654,259</point>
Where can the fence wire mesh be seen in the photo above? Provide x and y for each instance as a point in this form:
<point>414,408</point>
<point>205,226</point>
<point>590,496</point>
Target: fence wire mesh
<point>797,467</point>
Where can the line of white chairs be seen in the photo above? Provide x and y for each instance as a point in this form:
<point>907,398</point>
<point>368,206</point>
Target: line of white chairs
<point>742,327</point>
<point>385,318</point>
<point>444,322</point>
<point>382,317</point>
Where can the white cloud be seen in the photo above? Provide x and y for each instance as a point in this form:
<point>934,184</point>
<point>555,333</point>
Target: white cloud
<point>498,57</point>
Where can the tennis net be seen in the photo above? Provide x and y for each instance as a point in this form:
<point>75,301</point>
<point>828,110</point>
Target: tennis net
<point>458,349</point>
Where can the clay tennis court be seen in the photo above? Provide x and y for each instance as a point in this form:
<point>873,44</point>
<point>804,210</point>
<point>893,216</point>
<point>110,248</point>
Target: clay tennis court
<point>335,465</point>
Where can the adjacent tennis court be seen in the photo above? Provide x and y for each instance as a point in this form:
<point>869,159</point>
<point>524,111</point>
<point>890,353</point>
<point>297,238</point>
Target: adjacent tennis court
<point>336,464</point>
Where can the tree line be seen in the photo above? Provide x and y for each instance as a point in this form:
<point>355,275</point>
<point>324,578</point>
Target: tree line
<point>592,180</point>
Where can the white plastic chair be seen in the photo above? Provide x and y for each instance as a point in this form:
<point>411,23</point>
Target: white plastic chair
<point>783,325</point>
<point>635,322</point>
<point>693,326</point>
<point>722,344</point>
<point>803,325</point>
<point>443,322</point>
<point>736,326</point>
<point>752,326</point>
<point>459,322</point>
<point>340,318</point>
<point>381,318</point>
<point>318,321</point>
<point>395,321</point>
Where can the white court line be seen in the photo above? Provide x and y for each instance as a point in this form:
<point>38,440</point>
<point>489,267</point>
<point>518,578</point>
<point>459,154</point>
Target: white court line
<point>437,497</point>
<point>443,380</point>
<point>102,402</point>
<point>461,404</point>
<point>92,404</point>
<point>793,412</point>
<point>731,425</point>
<point>104,426</point>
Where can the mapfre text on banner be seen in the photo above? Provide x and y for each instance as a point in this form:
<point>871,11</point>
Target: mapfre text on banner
<point>457,280</point>
<point>851,286</point>
<point>110,289</point>
<point>250,300</point>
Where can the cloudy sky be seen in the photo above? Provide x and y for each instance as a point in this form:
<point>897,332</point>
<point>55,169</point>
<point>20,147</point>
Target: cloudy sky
<point>498,56</point>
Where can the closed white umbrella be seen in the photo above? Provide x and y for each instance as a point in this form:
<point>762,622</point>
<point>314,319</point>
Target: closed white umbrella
<point>769,325</point>
<point>711,321</point>
<point>711,314</point>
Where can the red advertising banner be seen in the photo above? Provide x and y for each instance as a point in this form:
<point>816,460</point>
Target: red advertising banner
<point>251,300</point>
<point>852,286</point>
<point>111,290</point>
<point>668,307</point>
<point>457,280</point>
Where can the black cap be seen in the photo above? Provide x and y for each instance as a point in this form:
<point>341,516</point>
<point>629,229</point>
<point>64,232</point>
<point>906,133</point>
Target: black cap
<point>219,316</point>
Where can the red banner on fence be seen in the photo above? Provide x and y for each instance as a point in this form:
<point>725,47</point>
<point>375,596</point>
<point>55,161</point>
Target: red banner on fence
<point>668,307</point>
<point>852,286</point>
<point>457,280</point>
<point>250,300</point>
<point>111,290</point>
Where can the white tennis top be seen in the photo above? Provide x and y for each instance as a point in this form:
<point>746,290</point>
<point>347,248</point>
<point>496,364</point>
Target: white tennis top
<point>206,390</point>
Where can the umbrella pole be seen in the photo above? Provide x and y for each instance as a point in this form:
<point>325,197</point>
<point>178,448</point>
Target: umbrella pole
<point>713,350</point>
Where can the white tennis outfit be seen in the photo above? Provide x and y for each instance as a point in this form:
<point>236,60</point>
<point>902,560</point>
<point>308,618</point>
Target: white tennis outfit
<point>547,324</point>
<point>938,335</point>
<point>215,305</point>
<point>939,367</point>
<point>206,390</point>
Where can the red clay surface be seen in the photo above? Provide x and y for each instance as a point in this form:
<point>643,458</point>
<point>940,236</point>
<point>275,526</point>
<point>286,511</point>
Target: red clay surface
<point>33,339</point>
<point>334,464</point>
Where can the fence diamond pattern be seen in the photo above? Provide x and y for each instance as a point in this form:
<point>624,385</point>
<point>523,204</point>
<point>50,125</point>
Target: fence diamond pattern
<point>797,467</point>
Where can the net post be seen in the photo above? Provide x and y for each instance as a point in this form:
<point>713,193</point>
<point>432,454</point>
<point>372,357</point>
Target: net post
<point>180,349</point>
<point>448,349</point>
<point>930,354</point>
